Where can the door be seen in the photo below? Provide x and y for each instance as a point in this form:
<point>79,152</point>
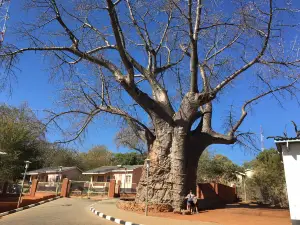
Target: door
<point>128,180</point>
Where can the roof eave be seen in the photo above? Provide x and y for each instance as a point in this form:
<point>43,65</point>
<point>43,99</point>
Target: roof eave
<point>87,173</point>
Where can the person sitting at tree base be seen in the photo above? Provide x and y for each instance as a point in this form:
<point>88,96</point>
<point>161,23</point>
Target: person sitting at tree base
<point>190,202</point>
<point>195,206</point>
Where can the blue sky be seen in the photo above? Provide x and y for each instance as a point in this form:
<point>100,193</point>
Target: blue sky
<point>34,87</point>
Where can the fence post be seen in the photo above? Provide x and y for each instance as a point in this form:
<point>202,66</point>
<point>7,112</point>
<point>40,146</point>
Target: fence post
<point>198,194</point>
<point>111,190</point>
<point>33,187</point>
<point>89,189</point>
<point>217,188</point>
<point>119,188</point>
<point>235,193</point>
<point>65,188</point>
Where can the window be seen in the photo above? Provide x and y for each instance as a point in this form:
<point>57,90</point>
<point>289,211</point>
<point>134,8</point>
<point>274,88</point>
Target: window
<point>108,179</point>
<point>128,178</point>
<point>100,179</point>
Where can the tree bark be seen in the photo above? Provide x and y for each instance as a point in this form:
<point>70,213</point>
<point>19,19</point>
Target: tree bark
<point>174,157</point>
<point>196,146</point>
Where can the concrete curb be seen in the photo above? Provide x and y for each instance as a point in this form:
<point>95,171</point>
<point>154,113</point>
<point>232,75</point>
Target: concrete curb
<point>111,218</point>
<point>28,206</point>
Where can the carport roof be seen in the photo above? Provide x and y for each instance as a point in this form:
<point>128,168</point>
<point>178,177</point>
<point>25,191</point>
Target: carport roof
<point>107,169</point>
<point>46,170</point>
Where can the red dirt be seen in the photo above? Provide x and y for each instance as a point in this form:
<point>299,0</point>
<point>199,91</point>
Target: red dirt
<point>235,216</point>
<point>9,203</point>
<point>140,207</point>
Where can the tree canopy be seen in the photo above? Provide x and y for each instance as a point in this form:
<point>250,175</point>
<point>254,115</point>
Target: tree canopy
<point>131,158</point>
<point>268,178</point>
<point>216,168</point>
<point>20,136</point>
<point>96,157</point>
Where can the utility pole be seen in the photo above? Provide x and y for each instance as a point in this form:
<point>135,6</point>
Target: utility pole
<point>21,192</point>
<point>58,181</point>
<point>148,166</point>
<point>262,139</point>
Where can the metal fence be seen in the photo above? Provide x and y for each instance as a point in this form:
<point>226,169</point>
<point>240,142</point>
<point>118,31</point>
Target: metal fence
<point>87,188</point>
<point>49,187</point>
<point>79,188</point>
<point>14,188</point>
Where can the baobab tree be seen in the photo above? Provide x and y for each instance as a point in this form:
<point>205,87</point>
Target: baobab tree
<point>162,65</point>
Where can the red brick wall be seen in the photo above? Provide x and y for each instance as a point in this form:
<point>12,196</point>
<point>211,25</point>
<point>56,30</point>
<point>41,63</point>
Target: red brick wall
<point>137,173</point>
<point>226,193</point>
<point>216,191</point>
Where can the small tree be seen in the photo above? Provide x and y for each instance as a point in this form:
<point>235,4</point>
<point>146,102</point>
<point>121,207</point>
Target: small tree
<point>269,178</point>
<point>96,157</point>
<point>130,138</point>
<point>216,168</point>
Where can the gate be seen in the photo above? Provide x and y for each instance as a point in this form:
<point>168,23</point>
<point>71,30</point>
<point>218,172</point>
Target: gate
<point>88,189</point>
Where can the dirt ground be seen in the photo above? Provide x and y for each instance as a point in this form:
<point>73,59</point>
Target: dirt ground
<point>236,216</point>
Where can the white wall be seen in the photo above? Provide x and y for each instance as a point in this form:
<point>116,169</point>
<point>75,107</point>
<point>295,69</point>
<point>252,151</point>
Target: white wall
<point>291,160</point>
<point>249,173</point>
<point>122,177</point>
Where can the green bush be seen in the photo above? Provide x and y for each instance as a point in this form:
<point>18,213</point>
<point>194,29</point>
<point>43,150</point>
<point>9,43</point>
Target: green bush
<point>268,182</point>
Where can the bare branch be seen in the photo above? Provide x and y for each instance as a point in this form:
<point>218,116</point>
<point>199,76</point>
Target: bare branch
<point>256,59</point>
<point>244,112</point>
<point>164,33</point>
<point>224,48</point>
<point>62,23</point>
<point>198,19</point>
<point>118,36</point>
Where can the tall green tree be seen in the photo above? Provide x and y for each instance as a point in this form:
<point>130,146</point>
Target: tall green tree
<point>20,136</point>
<point>56,155</point>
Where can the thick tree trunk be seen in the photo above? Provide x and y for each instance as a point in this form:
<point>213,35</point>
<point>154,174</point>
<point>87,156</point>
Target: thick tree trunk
<point>196,146</point>
<point>174,160</point>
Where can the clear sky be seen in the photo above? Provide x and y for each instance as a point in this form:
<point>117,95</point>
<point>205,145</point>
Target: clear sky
<point>34,87</point>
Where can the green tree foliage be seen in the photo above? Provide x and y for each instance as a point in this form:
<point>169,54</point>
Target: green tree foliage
<point>269,178</point>
<point>96,157</point>
<point>131,158</point>
<point>20,137</point>
<point>56,155</point>
<point>216,168</point>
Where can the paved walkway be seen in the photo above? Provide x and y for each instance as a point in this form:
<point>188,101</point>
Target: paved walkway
<point>108,207</point>
<point>64,211</point>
